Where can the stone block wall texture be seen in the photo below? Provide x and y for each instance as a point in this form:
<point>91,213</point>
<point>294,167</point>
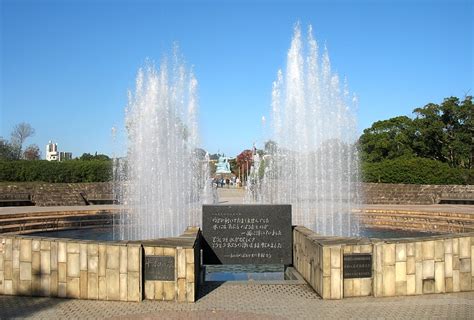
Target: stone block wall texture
<point>187,260</point>
<point>66,268</point>
<point>319,265</point>
<point>429,265</point>
<point>59,194</point>
<point>400,267</point>
<point>442,221</point>
<point>384,193</point>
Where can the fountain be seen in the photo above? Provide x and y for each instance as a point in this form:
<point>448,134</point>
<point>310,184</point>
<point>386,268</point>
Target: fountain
<point>315,166</point>
<point>163,182</point>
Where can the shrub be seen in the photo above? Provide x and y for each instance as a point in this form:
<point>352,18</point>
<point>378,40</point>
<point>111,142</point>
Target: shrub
<point>49,171</point>
<point>415,171</point>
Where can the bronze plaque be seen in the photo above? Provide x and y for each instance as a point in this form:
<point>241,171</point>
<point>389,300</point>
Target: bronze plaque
<point>357,265</point>
<point>159,268</point>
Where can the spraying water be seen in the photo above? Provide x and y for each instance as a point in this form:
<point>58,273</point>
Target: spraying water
<point>314,166</point>
<point>162,182</point>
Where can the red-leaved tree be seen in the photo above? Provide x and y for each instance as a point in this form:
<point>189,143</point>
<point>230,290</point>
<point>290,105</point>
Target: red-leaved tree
<point>244,162</point>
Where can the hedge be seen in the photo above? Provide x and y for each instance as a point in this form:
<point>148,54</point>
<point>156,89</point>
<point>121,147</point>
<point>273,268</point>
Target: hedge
<point>52,171</point>
<point>415,171</point>
<point>402,170</point>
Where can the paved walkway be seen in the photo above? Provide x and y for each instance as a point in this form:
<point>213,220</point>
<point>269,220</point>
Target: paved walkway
<point>247,302</point>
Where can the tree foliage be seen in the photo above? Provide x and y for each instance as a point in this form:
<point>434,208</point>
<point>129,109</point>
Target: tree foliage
<point>7,150</point>
<point>89,157</point>
<point>442,132</point>
<point>32,152</point>
<point>388,139</point>
<point>244,161</point>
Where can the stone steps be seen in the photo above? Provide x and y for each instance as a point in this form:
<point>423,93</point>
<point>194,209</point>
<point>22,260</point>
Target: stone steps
<point>414,226</point>
<point>415,220</point>
<point>42,221</point>
<point>53,225</point>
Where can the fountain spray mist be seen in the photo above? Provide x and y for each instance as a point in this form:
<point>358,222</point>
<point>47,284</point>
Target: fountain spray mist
<point>161,183</point>
<point>315,164</point>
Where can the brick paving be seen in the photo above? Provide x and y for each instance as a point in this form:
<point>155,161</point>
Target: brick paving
<point>247,301</point>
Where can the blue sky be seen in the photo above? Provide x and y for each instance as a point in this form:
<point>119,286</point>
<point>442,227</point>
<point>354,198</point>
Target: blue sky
<point>66,66</point>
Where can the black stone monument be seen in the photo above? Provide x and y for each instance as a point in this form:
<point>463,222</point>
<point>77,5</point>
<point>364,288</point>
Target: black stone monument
<point>247,234</point>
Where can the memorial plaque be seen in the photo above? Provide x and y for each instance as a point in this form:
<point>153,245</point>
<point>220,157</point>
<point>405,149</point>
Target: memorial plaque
<point>247,234</point>
<point>357,265</point>
<point>159,268</point>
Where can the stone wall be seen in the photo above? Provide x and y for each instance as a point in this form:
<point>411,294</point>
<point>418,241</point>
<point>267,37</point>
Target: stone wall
<point>186,253</point>
<point>436,265</point>
<point>56,194</point>
<point>400,267</point>
<point>384,193</point>
<point>70,268</point>
<point>319,260</point>
<point>111,270</point>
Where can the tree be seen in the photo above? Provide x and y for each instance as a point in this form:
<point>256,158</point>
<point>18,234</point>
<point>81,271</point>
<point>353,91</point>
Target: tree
<point>20,133</point>
<point>442,132</point>
<point>200,153</point>
<point>86,157</point>
<point>89,157</point>
<point>214,156</point>
<point>244,162</point>
<point>7,150</point>
<point>270,147</point>
<point>32,152</point>
<point>445,132</point>
<point>234,166</point>
<point>388,139</point>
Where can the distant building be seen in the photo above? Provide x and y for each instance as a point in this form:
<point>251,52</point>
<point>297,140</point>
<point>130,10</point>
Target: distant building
<point>65,156</point>
<point>52,153</point>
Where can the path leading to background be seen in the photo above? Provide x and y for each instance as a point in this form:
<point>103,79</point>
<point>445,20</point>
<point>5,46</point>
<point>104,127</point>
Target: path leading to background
<point>231,195</point>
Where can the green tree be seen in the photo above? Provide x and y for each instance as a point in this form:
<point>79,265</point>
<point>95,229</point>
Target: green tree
<point>387,139</point>
<point>442,132</point>
<point>7,150</point>
<point>445,132</point>
<point>89,157</point>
